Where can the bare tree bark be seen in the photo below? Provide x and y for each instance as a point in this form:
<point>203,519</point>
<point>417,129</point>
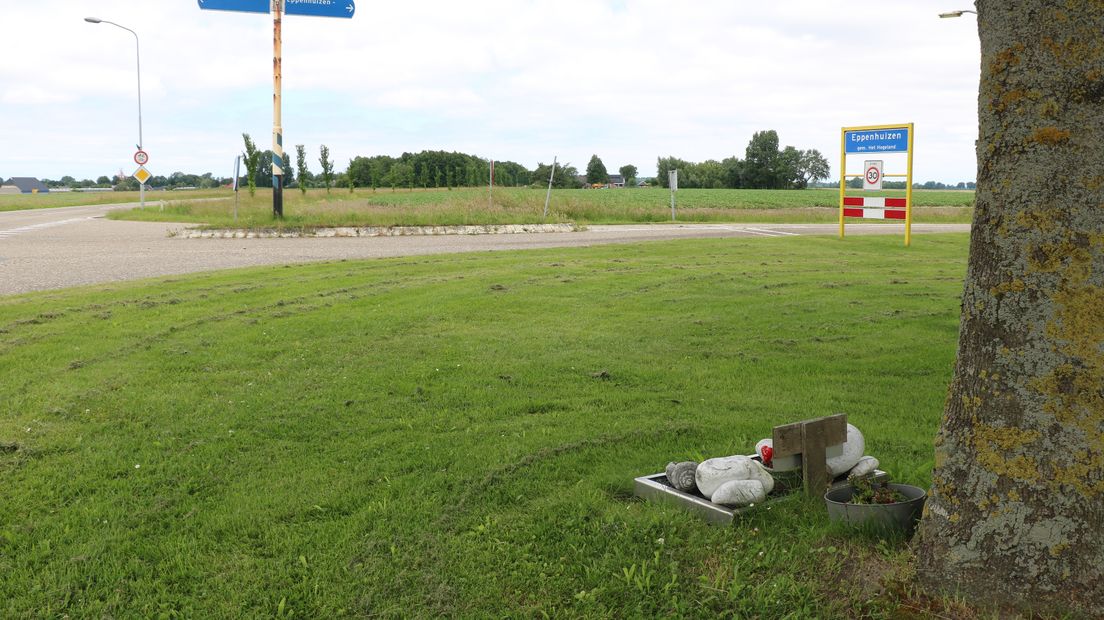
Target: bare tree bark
<point>1016,513</point>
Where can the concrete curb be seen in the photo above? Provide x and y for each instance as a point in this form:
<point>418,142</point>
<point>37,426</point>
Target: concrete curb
<point>378,231</point>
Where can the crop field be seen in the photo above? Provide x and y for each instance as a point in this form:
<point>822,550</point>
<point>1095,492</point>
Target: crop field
<point>13,202</point>
<point>457,435</point>
<point>526,206</point>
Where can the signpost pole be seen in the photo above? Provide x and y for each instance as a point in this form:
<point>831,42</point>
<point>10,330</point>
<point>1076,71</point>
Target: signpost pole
<point>237,175</point>
<point>908,190</point>
<point>843,177</point>
<point>277,128</point>
<point>548,197</point>
<point>672,180</point>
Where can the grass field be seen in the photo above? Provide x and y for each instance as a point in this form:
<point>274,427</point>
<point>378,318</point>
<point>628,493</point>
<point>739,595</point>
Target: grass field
<point>14,202</point>
<point>526,206</point>
<point>457,435</point>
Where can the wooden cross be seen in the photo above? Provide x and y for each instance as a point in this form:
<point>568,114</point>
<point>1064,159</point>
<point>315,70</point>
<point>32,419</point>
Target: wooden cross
<point>811,439</point>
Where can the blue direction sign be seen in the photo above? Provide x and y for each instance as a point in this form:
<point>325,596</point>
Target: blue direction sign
<point>320,8</point>
<point>893,140</point>
<point>246,6</point>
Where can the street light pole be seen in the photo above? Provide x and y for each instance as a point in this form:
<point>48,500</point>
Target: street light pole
<point>138,57</point>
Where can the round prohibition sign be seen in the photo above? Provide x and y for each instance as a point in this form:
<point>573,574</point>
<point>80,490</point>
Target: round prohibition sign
<point>141,157</point>
<point>873,175</point>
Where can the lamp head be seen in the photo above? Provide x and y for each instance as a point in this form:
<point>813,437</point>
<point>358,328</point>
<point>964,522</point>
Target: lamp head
<point>93,20</point>
<point>951,14</point>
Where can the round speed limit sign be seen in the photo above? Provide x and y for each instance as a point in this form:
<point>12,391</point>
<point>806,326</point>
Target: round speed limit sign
<point>141,158</point>
<point>873,174</point>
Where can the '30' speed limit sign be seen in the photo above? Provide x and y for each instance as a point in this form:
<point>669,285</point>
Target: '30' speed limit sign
<point>872,177</point>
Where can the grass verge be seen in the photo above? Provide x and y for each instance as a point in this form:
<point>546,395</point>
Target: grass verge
<point>53,200</point>
<point>457,435</point>
<point>526,206</point>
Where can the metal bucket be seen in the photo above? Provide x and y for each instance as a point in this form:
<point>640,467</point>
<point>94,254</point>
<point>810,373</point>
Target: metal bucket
<point>901,515</point>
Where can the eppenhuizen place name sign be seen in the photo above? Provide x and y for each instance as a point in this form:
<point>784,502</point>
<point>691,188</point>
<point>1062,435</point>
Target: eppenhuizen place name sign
<point>895,140</point>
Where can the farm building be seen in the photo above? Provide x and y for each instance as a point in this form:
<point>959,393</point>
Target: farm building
<point>615,180</point>
<point>29,185</point>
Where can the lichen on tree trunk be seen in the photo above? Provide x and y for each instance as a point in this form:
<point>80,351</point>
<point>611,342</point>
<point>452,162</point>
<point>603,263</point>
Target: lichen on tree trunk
<point>1016,513</point>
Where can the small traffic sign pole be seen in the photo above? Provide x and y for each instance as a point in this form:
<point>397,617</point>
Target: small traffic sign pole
<point>141,158</point>
<point>237,175</point>
<point>672,180</point>
<point>277,128</point>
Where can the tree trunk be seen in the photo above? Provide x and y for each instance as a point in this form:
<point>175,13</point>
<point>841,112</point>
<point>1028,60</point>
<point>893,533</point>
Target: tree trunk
<point>1016,513</point>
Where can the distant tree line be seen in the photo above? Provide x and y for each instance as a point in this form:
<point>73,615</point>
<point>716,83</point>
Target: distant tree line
<point>764,167</point>
<point>857,183</point>
<point>122,181</point>
<point>434,169</point>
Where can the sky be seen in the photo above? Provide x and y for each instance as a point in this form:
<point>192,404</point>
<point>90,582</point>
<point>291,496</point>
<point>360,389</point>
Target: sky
<point>518,80</point>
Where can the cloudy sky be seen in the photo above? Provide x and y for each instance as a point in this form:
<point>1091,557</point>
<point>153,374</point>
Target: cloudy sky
<point>521,80</point>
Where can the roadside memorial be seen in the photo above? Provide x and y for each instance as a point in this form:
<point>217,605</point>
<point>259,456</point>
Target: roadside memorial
<point>813,455</point>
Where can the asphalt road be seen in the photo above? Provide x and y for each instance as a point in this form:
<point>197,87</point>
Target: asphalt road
<point>47,249</point>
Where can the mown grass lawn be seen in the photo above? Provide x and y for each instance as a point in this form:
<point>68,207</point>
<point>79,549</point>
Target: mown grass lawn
<point>457,435</point>
<point>385,207</point>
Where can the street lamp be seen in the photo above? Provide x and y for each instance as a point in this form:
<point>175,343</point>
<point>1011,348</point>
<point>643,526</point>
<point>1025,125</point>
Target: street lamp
<point>138,56</point>
<point>955,14</point>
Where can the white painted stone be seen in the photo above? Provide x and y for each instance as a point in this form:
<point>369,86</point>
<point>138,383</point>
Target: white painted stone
<point>866,465</point>
<point>740,493</point>
<point>713,473</point>
<point>852,451</point>
<point>379,231</point>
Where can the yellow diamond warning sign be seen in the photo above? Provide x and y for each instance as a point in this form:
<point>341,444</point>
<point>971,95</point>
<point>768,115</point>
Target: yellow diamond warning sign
<point>142,174</point>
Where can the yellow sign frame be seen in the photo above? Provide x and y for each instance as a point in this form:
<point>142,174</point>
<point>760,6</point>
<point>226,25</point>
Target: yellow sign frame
<point>908,175</point>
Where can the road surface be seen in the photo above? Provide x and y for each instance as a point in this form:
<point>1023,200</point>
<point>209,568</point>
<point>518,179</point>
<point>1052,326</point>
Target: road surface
<point>45,249</point>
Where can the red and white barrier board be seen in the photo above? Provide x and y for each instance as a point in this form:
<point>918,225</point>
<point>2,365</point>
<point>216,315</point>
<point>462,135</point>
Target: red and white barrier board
<point>875,208</point>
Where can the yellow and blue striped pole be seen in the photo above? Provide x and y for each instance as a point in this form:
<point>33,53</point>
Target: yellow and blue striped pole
<point>277,127</point>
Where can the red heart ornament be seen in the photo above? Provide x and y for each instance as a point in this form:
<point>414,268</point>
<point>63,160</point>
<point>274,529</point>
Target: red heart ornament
<point>767,454</point>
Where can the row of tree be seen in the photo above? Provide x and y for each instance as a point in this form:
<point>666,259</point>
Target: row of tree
<point>857,183</point>
<point>434,169</point>
<point>764,166</point>
<point>122,182</point>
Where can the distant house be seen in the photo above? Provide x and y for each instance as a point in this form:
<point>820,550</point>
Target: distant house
<point>29,185</point>
<point>615,180</point>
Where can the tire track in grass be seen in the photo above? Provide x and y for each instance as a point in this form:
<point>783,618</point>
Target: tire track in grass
<point>148,340</point>
<point>439,592</point>
<point>100,311</point>
<point>172,299</point>
<point>282,308</point>
<point>509,470</point>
